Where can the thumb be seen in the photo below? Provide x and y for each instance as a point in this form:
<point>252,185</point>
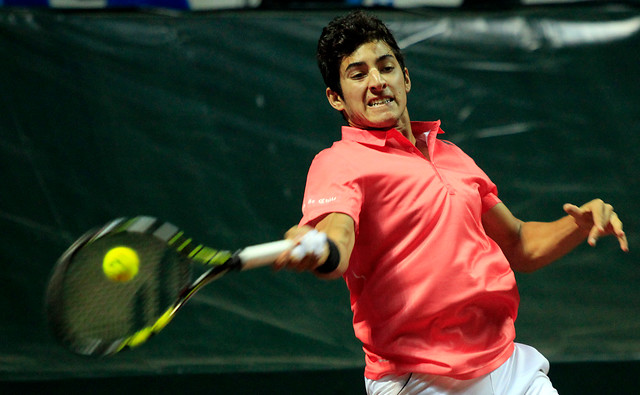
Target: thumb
<point>572,209</point>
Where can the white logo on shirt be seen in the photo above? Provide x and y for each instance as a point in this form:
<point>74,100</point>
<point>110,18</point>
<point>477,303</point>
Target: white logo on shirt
<point>322,200</point>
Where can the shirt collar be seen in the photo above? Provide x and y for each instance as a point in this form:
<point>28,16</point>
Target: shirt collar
<point>379,137</point>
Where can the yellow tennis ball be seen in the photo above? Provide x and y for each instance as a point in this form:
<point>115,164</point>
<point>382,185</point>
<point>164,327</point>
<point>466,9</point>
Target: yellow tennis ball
<point>120,264</point>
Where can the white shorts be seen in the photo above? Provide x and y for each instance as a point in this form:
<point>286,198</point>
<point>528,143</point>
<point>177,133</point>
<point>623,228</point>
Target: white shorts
<point>525,373</point>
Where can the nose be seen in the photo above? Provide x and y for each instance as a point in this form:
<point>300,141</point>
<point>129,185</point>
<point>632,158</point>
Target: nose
<point>376,80</point>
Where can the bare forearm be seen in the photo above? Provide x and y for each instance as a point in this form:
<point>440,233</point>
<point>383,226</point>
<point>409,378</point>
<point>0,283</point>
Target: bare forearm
<point>530,246</point>
<point>544,242</point>
<point>339,228</point>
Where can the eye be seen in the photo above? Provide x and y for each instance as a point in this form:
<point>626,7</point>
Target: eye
<point>388,69</point>
<point>358,75</point>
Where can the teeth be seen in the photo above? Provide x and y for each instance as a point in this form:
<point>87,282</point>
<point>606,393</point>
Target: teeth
<point>379,102</point>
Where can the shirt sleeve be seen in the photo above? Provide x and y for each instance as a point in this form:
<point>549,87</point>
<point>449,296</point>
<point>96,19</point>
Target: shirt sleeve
<point>331,187</point>
<point>489,194</point>
<point>489,200</point>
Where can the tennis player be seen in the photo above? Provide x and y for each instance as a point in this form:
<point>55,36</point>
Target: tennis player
<point>416,228</point>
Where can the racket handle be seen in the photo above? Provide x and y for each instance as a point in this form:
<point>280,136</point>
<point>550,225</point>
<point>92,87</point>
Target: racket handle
<point>262,254</point>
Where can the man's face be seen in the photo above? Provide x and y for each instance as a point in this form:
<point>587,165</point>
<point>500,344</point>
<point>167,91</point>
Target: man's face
<point>374,88</point>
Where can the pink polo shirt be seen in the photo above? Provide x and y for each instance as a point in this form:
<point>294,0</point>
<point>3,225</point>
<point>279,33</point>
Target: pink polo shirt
<point>430,291</point>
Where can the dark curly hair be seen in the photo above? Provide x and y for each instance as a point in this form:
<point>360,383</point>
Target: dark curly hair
<point>342,36</point>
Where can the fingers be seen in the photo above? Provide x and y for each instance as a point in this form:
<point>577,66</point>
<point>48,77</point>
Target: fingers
<point>309,252</point>
<point>594,235</point>
<point>619,233</point>
<point>615,226</point>
<point>572,209</point>
<point>602,220</point>
<point>602,215</point>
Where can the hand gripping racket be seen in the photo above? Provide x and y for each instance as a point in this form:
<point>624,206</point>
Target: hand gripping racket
<point>92,313</point>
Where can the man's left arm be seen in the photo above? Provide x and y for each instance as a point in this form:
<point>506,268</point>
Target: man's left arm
<point>530,246</point>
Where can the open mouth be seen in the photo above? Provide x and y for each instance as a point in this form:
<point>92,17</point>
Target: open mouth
<point>379,102</point>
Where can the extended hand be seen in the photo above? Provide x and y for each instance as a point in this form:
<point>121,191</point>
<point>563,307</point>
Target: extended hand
<point>310,251</point>
<point>600,219</point>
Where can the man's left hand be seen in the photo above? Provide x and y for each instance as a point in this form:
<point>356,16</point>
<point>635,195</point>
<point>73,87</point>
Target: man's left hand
<point>601,220</point>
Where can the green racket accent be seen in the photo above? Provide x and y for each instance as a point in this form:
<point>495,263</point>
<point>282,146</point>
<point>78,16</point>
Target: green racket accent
<point>209,256</point>
<point>144,334</point>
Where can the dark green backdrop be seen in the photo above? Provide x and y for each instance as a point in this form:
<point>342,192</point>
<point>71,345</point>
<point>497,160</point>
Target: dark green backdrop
<point>211,120</point>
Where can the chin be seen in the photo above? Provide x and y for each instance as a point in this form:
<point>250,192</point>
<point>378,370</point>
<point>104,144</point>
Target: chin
<point>383,124</point>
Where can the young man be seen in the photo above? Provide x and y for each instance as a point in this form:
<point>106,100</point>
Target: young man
<point>416,229</point>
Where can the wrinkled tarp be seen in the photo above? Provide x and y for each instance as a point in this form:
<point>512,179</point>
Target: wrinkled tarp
<point>210,121</point>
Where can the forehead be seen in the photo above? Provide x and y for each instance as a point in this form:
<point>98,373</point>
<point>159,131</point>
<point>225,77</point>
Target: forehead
<point>367,53</point>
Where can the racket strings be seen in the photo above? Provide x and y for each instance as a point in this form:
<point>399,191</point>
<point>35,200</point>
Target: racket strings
<point>94,307</point>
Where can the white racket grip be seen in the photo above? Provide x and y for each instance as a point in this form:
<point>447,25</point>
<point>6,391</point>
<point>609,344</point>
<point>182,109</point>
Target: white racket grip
<point>263,254</point>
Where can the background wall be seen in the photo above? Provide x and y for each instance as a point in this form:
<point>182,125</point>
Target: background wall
<point>210,121</point>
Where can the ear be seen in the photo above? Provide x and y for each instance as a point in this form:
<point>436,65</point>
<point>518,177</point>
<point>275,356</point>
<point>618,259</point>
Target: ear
<point>407,80</point>
<point>335,100</point>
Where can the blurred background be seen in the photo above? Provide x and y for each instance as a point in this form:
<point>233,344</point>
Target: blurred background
<point>207,114</point>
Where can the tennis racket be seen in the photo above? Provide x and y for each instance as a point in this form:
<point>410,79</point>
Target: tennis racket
<point>91,314</point>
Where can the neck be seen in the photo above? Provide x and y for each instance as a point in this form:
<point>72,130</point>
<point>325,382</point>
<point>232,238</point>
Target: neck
<point>404,127</point>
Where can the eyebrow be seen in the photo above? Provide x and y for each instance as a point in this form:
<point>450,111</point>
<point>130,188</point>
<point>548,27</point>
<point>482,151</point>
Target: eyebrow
<point>358,64</point>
